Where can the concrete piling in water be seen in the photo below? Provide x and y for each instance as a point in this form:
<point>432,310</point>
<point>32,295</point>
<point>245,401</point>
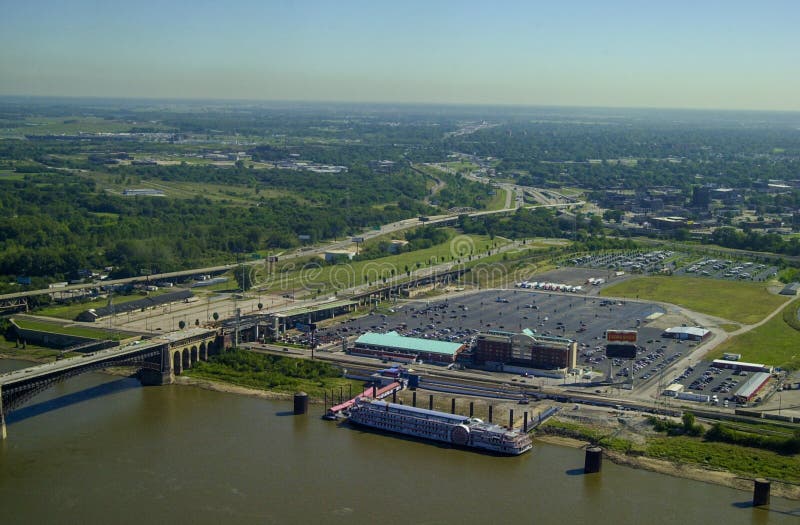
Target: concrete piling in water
<point>430,402</point>
<point>453,406</point>
<point>511,418</point>
<point>491,409</point>
<point>394,396</point>
<point>525,422</point>
<point>413,399</point>
<point>471,408</point>
<point>300,403</point>
<point>3,434</point>
<point>594,460</point>
<point>374,392</point>
<point>761,489</point>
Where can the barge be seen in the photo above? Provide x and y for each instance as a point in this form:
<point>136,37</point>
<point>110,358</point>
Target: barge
<point>462,431</point>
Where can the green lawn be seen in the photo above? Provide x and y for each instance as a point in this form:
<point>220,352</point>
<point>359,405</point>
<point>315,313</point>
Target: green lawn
<point>461,166</point>
<point>745,461</point>
<point>77,331</point>
<point>30,352</point>
<point>738,301</point>
<point>327,278</point>
<point>775,343</point>
<point>73,125</point>
<point>498,200</point>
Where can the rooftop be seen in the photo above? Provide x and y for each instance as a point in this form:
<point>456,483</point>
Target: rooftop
<point>315,308</point>
<point>691,330</point>
<point>752,384</point>
<point>394,340</point>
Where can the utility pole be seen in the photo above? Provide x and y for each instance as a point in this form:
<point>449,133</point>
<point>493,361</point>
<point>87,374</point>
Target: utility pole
<point>236,334</point>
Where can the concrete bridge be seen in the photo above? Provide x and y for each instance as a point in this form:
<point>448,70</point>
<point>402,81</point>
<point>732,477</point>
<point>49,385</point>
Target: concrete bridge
<point>158,360</point>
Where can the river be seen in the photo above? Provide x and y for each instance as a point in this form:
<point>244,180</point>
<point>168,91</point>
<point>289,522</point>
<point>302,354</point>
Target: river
<point>103,449</point>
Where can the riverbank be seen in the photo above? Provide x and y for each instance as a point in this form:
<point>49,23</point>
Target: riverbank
<point>679,470</point>
<point>229,388</point>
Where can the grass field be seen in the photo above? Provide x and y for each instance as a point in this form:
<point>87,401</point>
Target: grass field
<point>498,200</point>
<point>71,125</point>
<point>746,461</point>
<point>461,166</point>
<point>775,343</point>
<point>328,278</point>
<point>29,353</point>
<point>737,301</point>
<point>77,331</point>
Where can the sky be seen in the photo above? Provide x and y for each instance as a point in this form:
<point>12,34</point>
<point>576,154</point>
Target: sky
<point>706,54</point>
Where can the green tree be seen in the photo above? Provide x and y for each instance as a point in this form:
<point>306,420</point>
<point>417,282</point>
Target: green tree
<point>243,277</point>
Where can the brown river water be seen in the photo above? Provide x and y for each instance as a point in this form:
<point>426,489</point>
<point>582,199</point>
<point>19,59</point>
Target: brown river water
<point>103,449</point>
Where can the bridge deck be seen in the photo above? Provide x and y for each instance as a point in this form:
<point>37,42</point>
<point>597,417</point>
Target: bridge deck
<point>74,362</point>
<point>109,354</point>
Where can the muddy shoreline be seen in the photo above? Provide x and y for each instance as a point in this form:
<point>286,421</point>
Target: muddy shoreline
<point>679,470</point>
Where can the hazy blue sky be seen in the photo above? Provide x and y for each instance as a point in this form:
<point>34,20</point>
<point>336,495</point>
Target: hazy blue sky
<point>696,54</point>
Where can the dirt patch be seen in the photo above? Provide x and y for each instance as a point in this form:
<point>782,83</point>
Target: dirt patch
<point>232,389</point>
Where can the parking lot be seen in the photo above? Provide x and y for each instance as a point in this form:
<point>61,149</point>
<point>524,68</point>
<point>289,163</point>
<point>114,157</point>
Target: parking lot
<point>727,269</point>
<point>636,261</point>
<point>705,378</point>
<point>664,261</point>
<point>579,317</point>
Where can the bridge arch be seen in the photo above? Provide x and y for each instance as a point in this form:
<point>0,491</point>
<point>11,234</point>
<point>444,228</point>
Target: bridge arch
<point>187,360</point>
<point>194,355</point>
<point>177,367</point>
<point>203,351</point>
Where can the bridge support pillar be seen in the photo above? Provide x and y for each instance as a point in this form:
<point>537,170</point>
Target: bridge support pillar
<point>154,377</point>
<point>3,434</point>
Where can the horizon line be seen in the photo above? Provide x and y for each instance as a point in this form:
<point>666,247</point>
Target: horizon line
<point>508,105</point>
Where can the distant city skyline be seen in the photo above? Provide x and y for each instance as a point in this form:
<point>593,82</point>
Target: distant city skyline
<point>702,54</point>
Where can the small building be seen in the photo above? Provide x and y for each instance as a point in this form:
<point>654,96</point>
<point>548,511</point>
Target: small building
<point>741,366</point>
<point>751,387</point>
<point>673,390</point>
<point>142,192</point>
<point>396,245</point>
<point>670,223</point>
<point>692,333</point>
<point>334,256</point>
<point>395,347</point>
<point>791,289</point>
